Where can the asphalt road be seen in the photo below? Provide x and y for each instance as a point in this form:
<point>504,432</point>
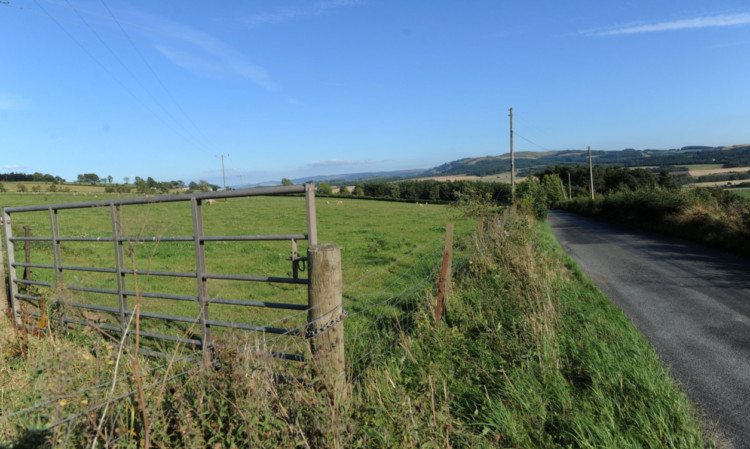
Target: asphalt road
<point>690,302</point>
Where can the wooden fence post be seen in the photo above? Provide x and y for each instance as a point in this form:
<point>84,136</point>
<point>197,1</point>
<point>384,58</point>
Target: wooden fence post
<point>480,228</point>
<point>325,318</point>
<point>445,273</point>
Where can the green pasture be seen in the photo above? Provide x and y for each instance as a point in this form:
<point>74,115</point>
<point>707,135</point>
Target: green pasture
<point>34,187</point>
<point>742,193</point>
<point>380,241</point>
<point>702,166</point>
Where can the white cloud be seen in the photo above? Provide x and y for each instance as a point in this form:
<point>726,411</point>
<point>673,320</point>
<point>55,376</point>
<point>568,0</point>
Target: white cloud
<point>17,167</point>
<point>337,162</point>
<point>283,15</point>
<point>722,20</point>
<point>202,53</point>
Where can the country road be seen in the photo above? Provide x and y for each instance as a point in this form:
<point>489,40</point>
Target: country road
<point>691,303</point>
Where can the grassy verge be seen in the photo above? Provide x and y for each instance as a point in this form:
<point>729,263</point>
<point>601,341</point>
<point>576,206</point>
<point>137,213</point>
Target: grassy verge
<point>530,355</point>
<point>711,216</point>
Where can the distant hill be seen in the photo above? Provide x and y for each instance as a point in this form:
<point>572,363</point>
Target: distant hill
<point>529,161</point>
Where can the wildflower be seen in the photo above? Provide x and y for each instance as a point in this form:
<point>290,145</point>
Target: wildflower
<point>110,362</point>
<point>62,402</point>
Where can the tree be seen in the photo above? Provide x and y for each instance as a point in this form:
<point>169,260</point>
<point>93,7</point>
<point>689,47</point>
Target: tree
<point>88,177</point>
<point>344,191</point>
<point>126,179</point>
<point>177,184</point>
<point>204,186</point>
<point>324,189</point>
<point>286,182</point>
<point>109,179</point>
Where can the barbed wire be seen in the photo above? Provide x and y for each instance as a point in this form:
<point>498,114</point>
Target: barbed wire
<point>394,300</point>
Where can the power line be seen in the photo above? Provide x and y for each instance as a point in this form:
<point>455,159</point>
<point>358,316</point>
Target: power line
<point>102,66</point>
<point>127,69</point>
<point>532,142</point>
<point>151,69</point>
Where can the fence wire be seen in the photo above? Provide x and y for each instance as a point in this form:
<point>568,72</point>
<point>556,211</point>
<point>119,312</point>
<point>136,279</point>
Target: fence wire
<point>374,325</point>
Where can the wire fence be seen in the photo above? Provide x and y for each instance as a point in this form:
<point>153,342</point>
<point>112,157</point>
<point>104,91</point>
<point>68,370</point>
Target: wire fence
<point>375,322</point>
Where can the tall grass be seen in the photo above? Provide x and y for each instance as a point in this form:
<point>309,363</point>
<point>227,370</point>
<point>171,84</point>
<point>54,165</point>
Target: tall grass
<point>712,216</point>
<point>530,354</point>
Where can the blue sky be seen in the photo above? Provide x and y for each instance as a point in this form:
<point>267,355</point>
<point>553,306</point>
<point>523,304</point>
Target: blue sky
<point>299,88</point>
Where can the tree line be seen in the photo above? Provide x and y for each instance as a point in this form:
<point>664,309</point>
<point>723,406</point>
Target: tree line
<point>423,191</point>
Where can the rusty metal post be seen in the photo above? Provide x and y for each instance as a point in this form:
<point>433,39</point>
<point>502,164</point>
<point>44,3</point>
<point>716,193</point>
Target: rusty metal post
<point>445,273</point>
<point>325,316</point>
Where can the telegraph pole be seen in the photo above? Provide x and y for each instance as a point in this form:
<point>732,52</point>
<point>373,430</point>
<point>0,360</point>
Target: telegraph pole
<point>512,163</point>
<point>591,174</point>
<point>570,189</point>
<point>223,174</point>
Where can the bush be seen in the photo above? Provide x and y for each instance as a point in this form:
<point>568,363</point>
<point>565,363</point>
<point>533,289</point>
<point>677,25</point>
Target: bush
<point>711,216</point>
<point>531,198</point>
<point>324,189</point>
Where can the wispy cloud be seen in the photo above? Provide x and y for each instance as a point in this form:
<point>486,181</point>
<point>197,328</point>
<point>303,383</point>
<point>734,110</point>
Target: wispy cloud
<point>17,167</point>
<point>288,14</point>
<point>337,163</point>
<point>201,52</point>
<point>722,20</point>
<point>10,102</point>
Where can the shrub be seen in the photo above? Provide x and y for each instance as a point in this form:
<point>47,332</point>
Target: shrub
<point>324,189</point>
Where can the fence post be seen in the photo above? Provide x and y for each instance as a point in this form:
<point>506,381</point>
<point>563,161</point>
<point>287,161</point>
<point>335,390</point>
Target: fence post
<point>326,314</point>
<point>27,250</point>
<point>480,228</point>
<point>10,254</point>
<point>4,304</point>
<point>445,273</point>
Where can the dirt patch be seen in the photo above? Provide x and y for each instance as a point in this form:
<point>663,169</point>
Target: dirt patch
<point>714,171</point>
<point>450,178</point>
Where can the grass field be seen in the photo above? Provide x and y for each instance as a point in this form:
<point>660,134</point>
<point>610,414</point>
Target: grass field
<point>710,170</point>
<point>742,193</point>
<point>529,354</point>
<point>373,236</point>
<point>43,187</point>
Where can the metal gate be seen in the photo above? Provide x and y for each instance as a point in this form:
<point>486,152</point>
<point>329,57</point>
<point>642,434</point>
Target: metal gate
<point>119,308</point>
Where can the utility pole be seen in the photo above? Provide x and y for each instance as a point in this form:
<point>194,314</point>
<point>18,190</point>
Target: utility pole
<point>512,164</point>
<point>570,189</point>
<point>223,174</point>
<point>591,174</point>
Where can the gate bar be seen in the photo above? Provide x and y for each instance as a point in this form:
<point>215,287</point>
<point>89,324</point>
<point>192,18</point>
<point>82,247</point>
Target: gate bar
<point>168,198</point>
